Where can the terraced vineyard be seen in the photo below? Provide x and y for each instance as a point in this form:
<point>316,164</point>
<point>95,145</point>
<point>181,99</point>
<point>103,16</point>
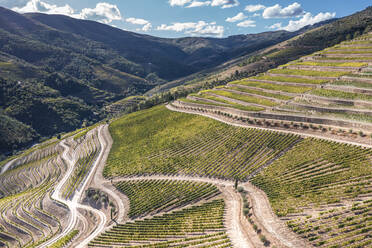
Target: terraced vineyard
<point>268,169</point>
<point>151,196</point>
<point>339,227</point>
<point>176,143</point>
<point>198,225</point>
<point>331,87</point>
<point>88,151</point>
<point>317,172</point>
<point>28,215</point>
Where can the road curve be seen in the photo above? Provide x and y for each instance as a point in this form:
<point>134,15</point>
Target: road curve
<point>271,222</point>
<point>235,229</point>
<point>104,184</point>
<point>74,204</point>
<point>233,204</point>
<point>57,197</point>
<point>7,166</point>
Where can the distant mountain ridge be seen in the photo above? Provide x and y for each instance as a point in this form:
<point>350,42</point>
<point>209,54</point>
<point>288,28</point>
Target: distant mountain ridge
<point>57,73</point>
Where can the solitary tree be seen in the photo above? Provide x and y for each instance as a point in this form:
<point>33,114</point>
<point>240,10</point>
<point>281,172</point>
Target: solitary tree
<point>113,209</point>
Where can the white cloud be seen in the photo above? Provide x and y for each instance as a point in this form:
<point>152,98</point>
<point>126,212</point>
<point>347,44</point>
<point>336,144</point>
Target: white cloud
<point>138,21</point>
<point>178,2</point>
<point>277,26</point>
<point>254,8</point>
<point>277,11</point>
<point>194,28</point>
<point>308,19</point>
<point>103,12</point>
<point>225,3</point>
<point>147,27</point>
<point>247,24</point>
<point>236,18</point>
<point>39,6</point>
<point>199,4</point>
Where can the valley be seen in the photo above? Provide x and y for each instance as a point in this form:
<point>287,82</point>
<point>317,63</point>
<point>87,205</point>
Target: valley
<point>278,156</point>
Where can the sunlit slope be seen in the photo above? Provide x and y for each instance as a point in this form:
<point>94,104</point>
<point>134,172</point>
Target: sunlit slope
<point>324,190</point>
<point>160,141</point>
<point>331,87</point>
<point>197,225</point>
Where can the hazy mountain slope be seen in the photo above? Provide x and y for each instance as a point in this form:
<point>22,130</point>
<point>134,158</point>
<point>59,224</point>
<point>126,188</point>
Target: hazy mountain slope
<point>58,72</point>
<point>169,58</point>
<point>310,39</point>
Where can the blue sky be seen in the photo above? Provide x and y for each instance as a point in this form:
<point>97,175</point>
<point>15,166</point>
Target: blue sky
<point>213,18</point>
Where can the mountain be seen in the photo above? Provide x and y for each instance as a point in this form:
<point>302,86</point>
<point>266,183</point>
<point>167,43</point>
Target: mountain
<point>310,39</point>
<point>169,58</point>
<point>57,72</point>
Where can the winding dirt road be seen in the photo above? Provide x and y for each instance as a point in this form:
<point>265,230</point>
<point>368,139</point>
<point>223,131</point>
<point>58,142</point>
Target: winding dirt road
<point>57,197</point>
<point>261,207</point>
<point>104,184</point>
<point>276,227</point>
<point>7,166</point>
<point>234,224</point>
<point>74,204</point>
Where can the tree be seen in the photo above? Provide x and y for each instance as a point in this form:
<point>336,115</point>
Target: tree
<point>113,209</point>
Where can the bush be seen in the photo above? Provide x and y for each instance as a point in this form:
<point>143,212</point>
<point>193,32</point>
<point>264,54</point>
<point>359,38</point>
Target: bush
<point>264,240</point>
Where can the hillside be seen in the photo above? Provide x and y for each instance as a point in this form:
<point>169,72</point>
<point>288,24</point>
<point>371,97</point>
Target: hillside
<point>325,92</point>
<point>311,39</point>
<point>218,180</point>
<point>73,68</point>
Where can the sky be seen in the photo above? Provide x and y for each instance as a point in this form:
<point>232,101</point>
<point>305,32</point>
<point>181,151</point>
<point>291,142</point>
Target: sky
<point>210,18</point>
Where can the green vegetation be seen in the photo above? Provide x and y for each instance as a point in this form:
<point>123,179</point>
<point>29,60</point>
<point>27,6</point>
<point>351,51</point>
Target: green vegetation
<point>316,172</point>
<point>341,94</point>
<point>198,221</point>
<point>277,87</point>
<point>341,64</point>
<point>84,132</point>
<point>202,102</point>
<point>21,105</point>
<point>354,84</point>
<point>262,93</point>
<point>360,117</point>
<point>290,79</point>
<point>164,142</point>
<point>65,240</point>
<point>309,73</point>
<point>147,196</point>
<point>357,42</point>
<point>350,227</point>
<point>351,48</point>
<point>14,134</point>
<point>348,52</point>
<point>232,104</point>
<point>244,98</point>
<point>345,58</point>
